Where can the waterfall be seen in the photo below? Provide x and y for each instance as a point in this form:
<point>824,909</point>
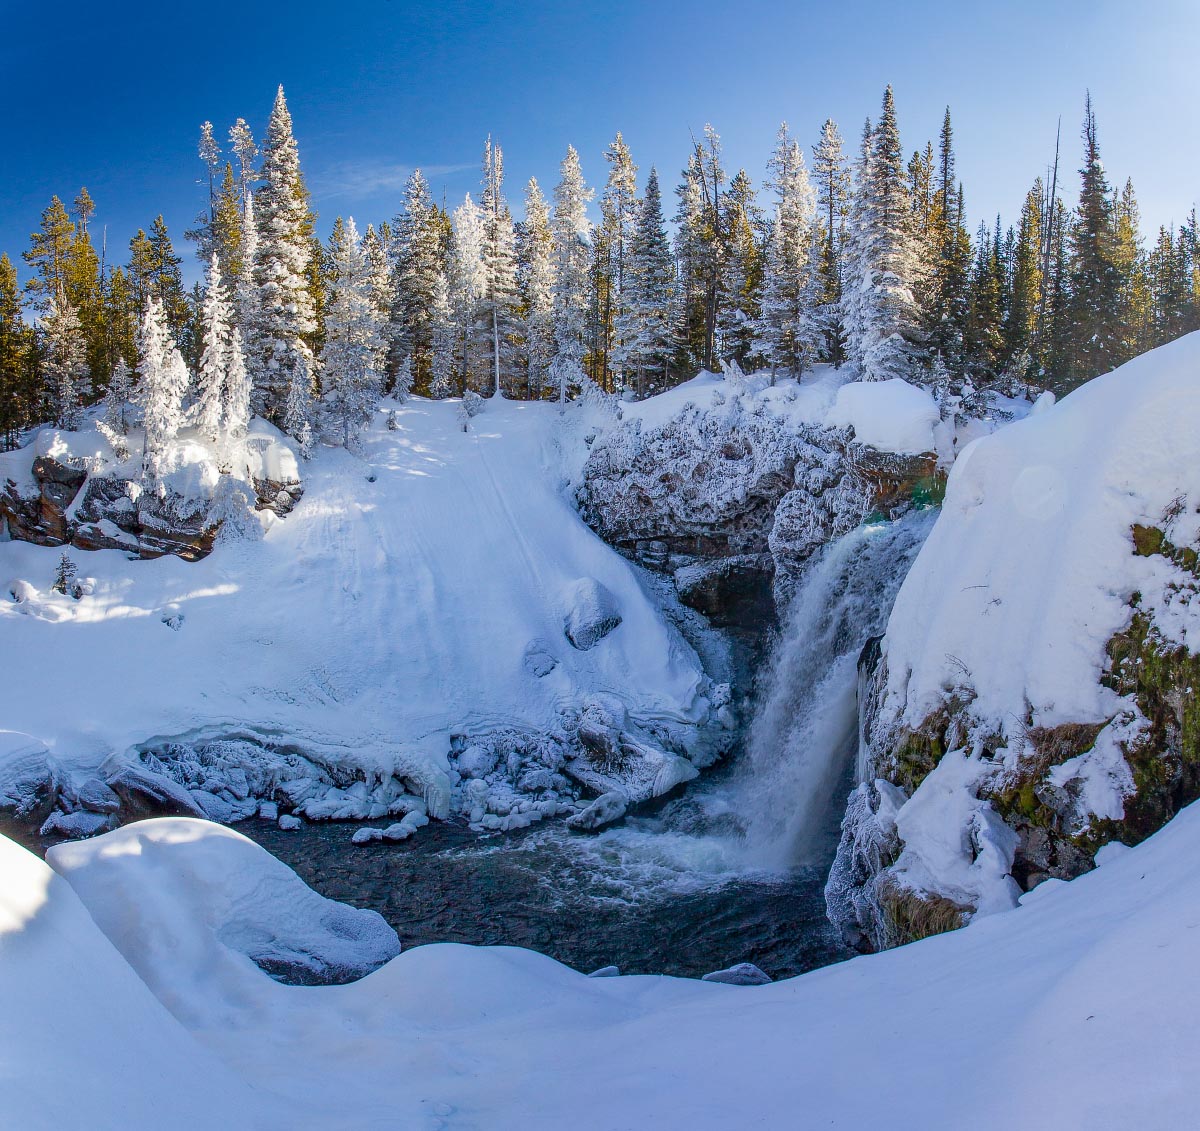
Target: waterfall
<point>802,739</point>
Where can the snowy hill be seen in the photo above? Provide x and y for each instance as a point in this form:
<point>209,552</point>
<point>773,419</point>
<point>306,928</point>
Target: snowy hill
<point>415,593</point>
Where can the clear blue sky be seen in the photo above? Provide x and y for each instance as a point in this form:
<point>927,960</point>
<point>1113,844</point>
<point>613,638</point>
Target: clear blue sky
<point>112,95</point>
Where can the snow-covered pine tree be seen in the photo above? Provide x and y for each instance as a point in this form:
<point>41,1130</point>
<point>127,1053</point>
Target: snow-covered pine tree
<point>499,305</point>
<point>282,267</point>
<point>403,387</point>
<point>248,308</point>
<point>65,368</point>
<point>241,141</point>
<point>572,255</point>
<point>298,406</point>
<point>650,284</point>
<point>468,287</point>
<point>535,278</point>
<point>379,268</point>
<point>880,311</point>
<point>418,259</point>
<point>117,397</point>
<point>619,210</point>
<point>832,178</point>
<point>214,360</point>
<point>64,578</point>
<point>163,382</point>
<point>441,370</point>
<point>354,341</point>
<point>741,271</point>
<point>235,410</point>
<point>789,264</point>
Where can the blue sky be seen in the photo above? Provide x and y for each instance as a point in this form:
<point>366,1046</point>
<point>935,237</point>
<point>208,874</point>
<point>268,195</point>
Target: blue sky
<point>112,96</point>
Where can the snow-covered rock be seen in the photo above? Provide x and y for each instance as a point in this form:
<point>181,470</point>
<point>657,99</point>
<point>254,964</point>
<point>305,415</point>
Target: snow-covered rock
<point>606,809</point>
<point>592,613</point>
<point>1033,690</point>
<point>741,974</point>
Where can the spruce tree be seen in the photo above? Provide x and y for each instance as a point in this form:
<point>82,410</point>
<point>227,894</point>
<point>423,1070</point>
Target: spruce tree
<point>832,178</point>
<point>16,399</point>
<point>650,286</point>
<point>572,235</point>
<point>470,280</point>
<point>162,384</point>
<point>49,255</point>
<point>535,277</point>
<point>618,210</point>
<point>1095,283</point>
<point>499,301</point>
<point>283,268</point>
<point>354,344</point>
<point>789,265</point>
<point>418,255</point>
<point>235,408</point>
<point>741,273</point>
<point>117,397</point>
<point>65,369</point>
<point>214,360</point>
<point>882,316</point>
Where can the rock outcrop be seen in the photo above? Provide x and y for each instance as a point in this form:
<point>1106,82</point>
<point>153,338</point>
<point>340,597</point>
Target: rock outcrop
<point>729,498</point>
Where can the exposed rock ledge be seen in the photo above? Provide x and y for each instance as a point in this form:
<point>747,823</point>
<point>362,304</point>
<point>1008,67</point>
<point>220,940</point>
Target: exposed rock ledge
<point>75,489</point>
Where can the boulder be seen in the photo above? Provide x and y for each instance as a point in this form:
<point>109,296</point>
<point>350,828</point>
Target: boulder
<point>606,809</point>
<point>743,974</point>
<point>592,613</point>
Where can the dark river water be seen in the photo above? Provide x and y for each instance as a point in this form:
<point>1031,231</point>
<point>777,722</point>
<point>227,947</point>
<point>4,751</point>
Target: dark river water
<point>645,897</point>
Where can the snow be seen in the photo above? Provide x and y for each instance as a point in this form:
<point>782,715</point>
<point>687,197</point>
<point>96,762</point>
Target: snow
<point>1006,614</point>
<point>415,593</point>
<point>1030,568</point>
<point>892,416</point>
<point>1073,1010</point>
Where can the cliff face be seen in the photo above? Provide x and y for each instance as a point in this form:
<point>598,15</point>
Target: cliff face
<point>1034,697</point>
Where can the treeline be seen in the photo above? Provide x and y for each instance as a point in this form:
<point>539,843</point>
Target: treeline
<point>863,262</point>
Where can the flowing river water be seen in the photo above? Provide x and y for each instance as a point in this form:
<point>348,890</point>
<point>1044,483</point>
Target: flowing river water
<point>732,870</point>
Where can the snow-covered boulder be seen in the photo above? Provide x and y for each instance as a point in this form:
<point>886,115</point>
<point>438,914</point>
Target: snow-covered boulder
<point>218,901</point>
<point>592,613</point>
<point>606,809</point>
<point>1035,694</point>
<point>891,416</point>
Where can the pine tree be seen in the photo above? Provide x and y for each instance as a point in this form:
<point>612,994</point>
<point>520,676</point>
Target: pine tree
<point>741,273</point>
<point>499,301</point>
<point>241,141</point>
<point>572,235</point>
<point>535,282</point>
<point>49,254</point>
<point>379,268</point>
<point>469,285</point>
<point>118,396</point>
<point>214,361</point>
<point>833,182</point>
<point>17,399</point>
<point>1129,262</point>
<point>65,366</point>
<point>64,578</point>
<point>618,209</point>
<point>162,384</point>
<point>650,286</point>
<point>1026,297</point>
<point>789,264</point>
<point>882,318</point>
<point>1095,284</point>
<point>227,230</point>
<point>419,256</point>
<point>354,343</point>
<point>699,243</point>
<point>283,269</point>
<point>298,405</point>
<point>442,338</point>
<point>235,409</point>
<point>154,272</point>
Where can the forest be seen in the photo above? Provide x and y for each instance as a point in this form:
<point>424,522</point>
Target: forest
<point>863,261</point>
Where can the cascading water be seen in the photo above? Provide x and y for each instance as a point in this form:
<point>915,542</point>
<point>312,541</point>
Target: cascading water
<point>801,741</point>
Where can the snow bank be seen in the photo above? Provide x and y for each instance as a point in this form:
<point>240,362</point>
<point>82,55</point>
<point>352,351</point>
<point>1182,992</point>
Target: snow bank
<point>952,1028</point>
<point>892,416</point>
<point>83,1042</point>
<point>1030,568</point>
<point>219,903</point>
